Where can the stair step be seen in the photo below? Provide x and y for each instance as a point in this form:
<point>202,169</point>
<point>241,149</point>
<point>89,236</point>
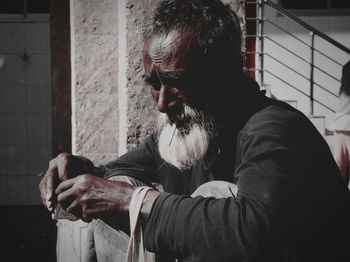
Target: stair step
<point>330,141</point>
<point>329,132</point>
<point>266,87</point>
<point>319,122</point>
<point>264,84</point>
<point>293,103</point>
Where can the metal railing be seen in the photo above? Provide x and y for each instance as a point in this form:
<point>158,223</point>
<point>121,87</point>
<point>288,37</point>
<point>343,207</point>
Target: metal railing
<point>261,69</point>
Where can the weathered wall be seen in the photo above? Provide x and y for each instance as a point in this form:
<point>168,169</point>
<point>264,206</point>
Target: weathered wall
<point>94,40</point>
<point>141,107</point>
<point>99,120</point>
<point>95,112</point>
<point>112,110</point>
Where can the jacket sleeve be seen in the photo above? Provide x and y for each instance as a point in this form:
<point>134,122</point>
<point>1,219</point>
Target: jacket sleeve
<point>139,163</point>
<point>234,228</point>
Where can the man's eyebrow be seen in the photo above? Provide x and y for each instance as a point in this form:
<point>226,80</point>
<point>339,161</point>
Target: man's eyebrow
<point>172,75</point>
<point>165,75</point>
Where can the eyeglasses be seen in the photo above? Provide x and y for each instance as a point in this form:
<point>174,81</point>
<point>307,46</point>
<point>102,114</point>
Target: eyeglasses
<point>175,79</point>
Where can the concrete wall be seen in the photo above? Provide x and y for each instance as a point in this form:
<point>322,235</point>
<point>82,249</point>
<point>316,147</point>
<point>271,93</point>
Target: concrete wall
<point>112,111</point>
<point>94,43</point>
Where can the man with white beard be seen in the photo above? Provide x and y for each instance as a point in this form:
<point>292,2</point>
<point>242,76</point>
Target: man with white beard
<point>278,192</point>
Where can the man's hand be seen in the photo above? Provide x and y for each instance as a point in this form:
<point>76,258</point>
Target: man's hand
<point>61,168</point>
<point>88,197</point>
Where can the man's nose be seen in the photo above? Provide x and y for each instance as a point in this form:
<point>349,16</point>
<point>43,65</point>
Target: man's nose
<point>164,98</point>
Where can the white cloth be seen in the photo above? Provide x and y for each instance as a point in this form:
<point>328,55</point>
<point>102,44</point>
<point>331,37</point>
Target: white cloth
<point>136,251</point>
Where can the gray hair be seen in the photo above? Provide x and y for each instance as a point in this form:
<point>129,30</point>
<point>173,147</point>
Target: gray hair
<point>214,23</point>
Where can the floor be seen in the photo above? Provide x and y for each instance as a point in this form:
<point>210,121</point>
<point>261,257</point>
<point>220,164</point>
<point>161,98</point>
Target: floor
<point>28,234</point>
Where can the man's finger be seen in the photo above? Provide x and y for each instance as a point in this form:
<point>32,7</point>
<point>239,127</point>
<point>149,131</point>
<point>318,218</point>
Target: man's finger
<point>74,208</point>
<point>50,179</point>
<point>50,186</point>
<point>42,189</point>
<point>46,188</point>
<point>63,160</point>
<point>63,186</point>
<point>64,196</point>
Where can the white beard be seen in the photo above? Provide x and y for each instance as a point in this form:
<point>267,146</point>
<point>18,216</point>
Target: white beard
<point>187,144</point>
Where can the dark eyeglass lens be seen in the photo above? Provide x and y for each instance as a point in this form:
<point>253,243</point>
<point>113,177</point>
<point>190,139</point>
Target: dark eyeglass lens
<point>153,83</point>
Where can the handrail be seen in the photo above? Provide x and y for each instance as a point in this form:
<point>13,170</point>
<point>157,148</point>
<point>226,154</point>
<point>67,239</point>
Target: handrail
<point>307,26</point>
<point>328,57</point>
<point>282,80</point>
<point>302,59</point>
<point>288,33</point>
<point>300,74</point>
<point>313,32</point>
<point>287,49</point>
<point>301,41</point>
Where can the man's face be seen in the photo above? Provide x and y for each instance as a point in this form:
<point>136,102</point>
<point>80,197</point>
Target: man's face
<point>184,131</point>
<point>167,59</point>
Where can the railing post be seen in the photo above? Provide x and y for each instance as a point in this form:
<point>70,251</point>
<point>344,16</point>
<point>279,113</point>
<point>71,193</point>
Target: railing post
<point>312,67</point>
<point>261,39</point>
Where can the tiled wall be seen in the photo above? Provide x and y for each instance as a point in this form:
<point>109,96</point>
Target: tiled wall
<point>24,110</point>
<point>337,27</point>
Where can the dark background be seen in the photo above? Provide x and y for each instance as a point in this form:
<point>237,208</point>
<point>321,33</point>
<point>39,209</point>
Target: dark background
<point>28,234</point>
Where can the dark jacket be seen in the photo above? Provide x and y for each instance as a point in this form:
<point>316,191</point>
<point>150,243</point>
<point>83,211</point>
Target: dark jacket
<point>292,203</point>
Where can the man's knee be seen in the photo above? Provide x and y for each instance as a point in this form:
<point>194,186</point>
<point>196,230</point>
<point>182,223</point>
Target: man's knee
<point>135,182</point>
<point>216,189</point>
<point>127,179</point>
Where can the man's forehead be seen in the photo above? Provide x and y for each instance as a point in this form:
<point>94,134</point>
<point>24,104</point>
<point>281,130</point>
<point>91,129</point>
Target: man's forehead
<point>162,46</point>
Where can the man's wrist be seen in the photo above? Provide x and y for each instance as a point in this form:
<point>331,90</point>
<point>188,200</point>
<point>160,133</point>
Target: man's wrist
<point>147,205</point>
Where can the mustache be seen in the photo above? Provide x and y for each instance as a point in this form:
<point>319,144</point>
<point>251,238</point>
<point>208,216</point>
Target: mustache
<point>184,119</point>
<point>184,144</point>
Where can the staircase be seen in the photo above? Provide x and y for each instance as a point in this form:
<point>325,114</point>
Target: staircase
<point>301,66</point>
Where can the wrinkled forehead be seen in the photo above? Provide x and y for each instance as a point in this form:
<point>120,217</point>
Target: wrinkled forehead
<point>173,47</point>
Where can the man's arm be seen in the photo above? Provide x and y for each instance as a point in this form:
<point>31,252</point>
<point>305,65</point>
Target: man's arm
<point>138,163</point>
<point>207,229</point>
<point>231,229</point>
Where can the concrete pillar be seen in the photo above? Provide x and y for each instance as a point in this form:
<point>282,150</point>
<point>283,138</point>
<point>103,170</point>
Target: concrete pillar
<point>112,110</point>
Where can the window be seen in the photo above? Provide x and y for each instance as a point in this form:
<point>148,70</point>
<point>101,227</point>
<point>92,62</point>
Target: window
<point>24,6</point>
<point>317,7</point>
<point>38,6</point>
<point>340,4</point>
<point>11,7</point>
